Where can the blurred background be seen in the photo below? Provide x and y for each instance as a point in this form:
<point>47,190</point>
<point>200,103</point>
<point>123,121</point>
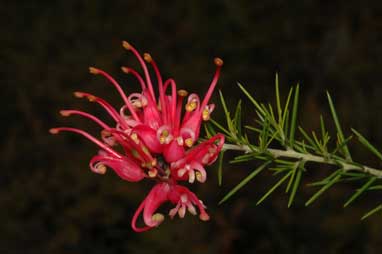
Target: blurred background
<point>50,202</point>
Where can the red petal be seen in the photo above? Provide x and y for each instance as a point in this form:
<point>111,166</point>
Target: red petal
<point>149,137</point>
<point>156,197</point>
<point>173,151</point>
<point>125,168</point>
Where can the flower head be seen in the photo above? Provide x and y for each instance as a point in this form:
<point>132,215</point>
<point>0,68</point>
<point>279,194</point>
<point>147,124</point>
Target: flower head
<point>159,141</point>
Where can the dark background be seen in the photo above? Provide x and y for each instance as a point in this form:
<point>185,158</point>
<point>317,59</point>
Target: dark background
<point>50,202</point>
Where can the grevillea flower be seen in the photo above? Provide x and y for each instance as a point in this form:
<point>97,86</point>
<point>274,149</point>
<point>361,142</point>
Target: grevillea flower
<point>159,141</point>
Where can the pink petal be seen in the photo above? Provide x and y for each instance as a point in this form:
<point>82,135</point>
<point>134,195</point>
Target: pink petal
<point>149,137</point>
<point>173,151</point>
<point>156,197</point>
<point>124,168</point>
<point>151,116</point>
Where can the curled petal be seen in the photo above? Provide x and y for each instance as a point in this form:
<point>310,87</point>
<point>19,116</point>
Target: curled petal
<point>204,154</point>
<point>137,100</point>
<point>124,168</point>
<point>128,119</point>
<point>188,135</point>
<point>151,116</point>
<point>201,174</point>
<point>149,137</point>
<point>207,111</point>
<point>192,117</point>
<point>193,103</point>
<point>173,151</point>
<point>156,197</point>
<point>108,138</point>
<point>207,152</point>
<point>184,198</point>
<point>164,135</point>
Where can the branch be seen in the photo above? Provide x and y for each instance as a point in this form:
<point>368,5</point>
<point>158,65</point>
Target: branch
<point>276,153</point>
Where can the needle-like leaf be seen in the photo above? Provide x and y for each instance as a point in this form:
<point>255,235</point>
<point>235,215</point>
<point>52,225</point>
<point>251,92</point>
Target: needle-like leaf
<point>361,190</point>
<point>373,211</point>
<point>257,105</point>
<point>367,144</point>
<point>220,168</point>
<point>278,100</point>
<point>244,182</point>
<point>333,180</point>
<point>338,127</point>
<point>295,186</point>
<point>293,122</point>
<point>274,187</point>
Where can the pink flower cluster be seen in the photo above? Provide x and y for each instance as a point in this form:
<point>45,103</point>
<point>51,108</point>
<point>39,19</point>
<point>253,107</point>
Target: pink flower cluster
<point>159,141</point>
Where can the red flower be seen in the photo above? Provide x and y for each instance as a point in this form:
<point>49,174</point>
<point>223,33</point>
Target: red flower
<point>159,142</point>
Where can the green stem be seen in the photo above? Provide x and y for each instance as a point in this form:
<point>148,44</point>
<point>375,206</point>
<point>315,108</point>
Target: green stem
<point>310,158</point>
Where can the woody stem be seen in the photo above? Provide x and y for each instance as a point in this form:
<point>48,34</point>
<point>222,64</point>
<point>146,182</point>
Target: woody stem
<point>290,153</point>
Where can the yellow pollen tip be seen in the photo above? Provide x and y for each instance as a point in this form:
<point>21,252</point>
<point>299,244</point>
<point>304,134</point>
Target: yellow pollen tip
<point>218,61</point>
<point>190,106</point>
<point>204,217</point>
<point>91,98</point>
<point>154,162</point>
<point>125,69</point>
<point>182,93</point>
<point>134,136</point>
<point>158,217</point>
<point>101,169</point>
<point>93,70</point>
<point>198,176</point>
<point>64,112</point>
<point>206,115</point>
<point>153,173</point>
<point>78,94</point>
<point>105,133</point>
<point>54,131</point>
<point>188,142</point>
<point>165,133</point>
<point>126,45</point>
<point>147,57</point>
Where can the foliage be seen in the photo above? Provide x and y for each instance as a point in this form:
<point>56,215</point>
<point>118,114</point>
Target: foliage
<point>277,126</point>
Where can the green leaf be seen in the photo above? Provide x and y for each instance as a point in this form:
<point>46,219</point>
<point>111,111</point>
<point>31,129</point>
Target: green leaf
<point>367,144</point>
<point>278,101</point>
<point>237,118</point>
<point>306,136</point>
<point>335,177</point>
<point>220,127</point>
<point>376,187</point>
<point>227,115</point>
<point>293,123</point>
<point>323,129</point>
<point>244,182</point>
<point>252,128</point>
<point>342,144</point>
<point>295,186</point>
<point>373,211</point>
<point>338,127</point>
<point>286,125</point>
<point>209,129</point>
<point>255,103</point>
<point>364,188</point>
<point>274,187</point>
<point>286,108</point>
<point>220,168</point>
<point>294,170</point>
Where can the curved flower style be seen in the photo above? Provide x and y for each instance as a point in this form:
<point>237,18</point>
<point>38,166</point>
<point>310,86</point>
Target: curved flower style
<point>158,140</point>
